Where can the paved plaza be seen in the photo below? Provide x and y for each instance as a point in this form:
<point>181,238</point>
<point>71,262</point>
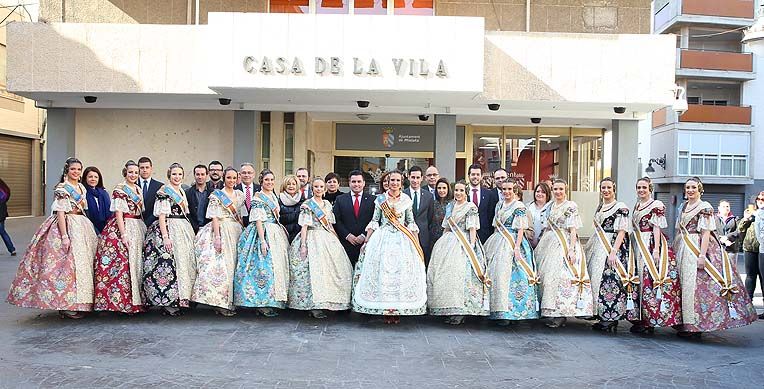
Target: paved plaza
<point>37,349</point>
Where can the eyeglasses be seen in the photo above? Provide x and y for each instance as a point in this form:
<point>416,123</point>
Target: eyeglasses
<point>759,199</point>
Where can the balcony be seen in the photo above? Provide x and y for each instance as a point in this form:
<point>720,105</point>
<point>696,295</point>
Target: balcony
<point>733,13</point>
<point>707,114</point>
<point>715,64</point>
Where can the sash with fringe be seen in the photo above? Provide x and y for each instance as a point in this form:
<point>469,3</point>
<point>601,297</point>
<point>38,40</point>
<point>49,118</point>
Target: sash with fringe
<point>580,278</point>
<point>320,214</point>
<point>628,275</point>
<point>79,199</point>
<point>228,204</point>
<point>392,216</point>
<point>530,271</point>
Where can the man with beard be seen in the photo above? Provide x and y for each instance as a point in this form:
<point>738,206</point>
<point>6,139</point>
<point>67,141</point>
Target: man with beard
<point>216,175</point>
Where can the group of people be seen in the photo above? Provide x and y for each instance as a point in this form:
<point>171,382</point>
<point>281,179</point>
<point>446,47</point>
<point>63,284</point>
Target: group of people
<point>447,249</point>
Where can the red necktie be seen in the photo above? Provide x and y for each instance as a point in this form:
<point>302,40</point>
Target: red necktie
<point>356,206</point>
<point>302,193</point>
<point>475,196</point>
<point>248,199</point>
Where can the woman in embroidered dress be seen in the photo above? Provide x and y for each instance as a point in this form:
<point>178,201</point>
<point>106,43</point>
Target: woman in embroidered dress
<point>660,302</point>
<point>57,269</point>
<point>215,247</point>
<point>456,281</point>
<point>262,270</point>
<point>565,285</point>
<point>169,264</point>
<point>390,276</point>
<point>119,259</point>
<point>713,295</point>
<point>319,269</point>
<point>511,266</point>
<point>614,274</point>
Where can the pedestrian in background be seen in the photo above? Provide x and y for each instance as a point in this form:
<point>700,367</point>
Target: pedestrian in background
<point>754,264</point>
<point>5,195</point>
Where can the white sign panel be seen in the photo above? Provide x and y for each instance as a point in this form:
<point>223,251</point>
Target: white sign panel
<point>345,52</point>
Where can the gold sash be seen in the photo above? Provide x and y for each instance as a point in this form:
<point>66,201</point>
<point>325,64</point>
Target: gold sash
<point>580,278</point>
<point>724,278</point>
<point>470,252</point>
<point>393,218</point>
<point>628,276</point>
<point>533,278</point>
<point>659,274</point>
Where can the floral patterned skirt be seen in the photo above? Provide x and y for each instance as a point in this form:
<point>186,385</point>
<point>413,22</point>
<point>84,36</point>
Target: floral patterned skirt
<point>611,297</point>
<point>214,278</point>
<point>118,269</point>
<point>168,277</point>
<point>560,297</point>
<point>452,286</point>
<point>323,279</point>
<point>661,307</point>
<point>512,297</point>
<point>50,277</point>
<point>262,280</point>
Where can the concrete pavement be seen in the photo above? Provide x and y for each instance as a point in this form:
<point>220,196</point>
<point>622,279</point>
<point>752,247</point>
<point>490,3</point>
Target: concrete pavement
<point>37,349</point>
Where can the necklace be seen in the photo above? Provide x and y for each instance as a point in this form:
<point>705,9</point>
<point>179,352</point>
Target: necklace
<point>611,205</point>
<point>697,204</point>
<point>394,197</point>
<point>641,207</point>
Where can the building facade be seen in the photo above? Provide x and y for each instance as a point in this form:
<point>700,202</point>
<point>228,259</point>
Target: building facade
<point>716,137</point>
<point>545,89</point>
<point>21,133</point>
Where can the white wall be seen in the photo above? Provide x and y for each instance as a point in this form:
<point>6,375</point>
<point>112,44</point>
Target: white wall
<point>753,95</point>
<point>107,138</point>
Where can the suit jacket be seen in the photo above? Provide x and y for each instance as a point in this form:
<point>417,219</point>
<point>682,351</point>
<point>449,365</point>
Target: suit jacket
<point>193,206</point>
<point>255,188</point>
<point>148,200</point>
<point>308,191</point>
<point>346,222</point>
<point>486,211</point>
<point>424,218</point>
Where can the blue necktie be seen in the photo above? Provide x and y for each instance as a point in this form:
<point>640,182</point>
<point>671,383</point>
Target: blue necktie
<point>145,186</point>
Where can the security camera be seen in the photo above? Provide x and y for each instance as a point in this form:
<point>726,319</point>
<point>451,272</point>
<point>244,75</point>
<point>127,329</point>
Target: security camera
<point>619,109</point>
<point>90,99</point>
<point>680,100</point>
<point>362,116</point>
<point>387,155</point>
<point>424,118</point>
<point>535,120</point>
<point>362,104</point>
<point>224,101</point>
<point>494,107</point>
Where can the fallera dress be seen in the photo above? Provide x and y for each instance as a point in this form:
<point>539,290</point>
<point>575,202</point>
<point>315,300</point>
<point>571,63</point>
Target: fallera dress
<point>615,288</point>
<point>390,276</point>
<point>261,281</point>
<point>321,280</point>
<point>713,298</point>
<point>661,294</point>
<point>456,282</point>
<point>215,270</point>
<point>50,277</point>
<point>119,269</point>
<point>168,277</point>
<point>565,285</point>
<point>514,289</point>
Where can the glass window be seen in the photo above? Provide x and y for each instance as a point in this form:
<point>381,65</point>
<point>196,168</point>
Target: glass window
<point>414,7</point>
<point>684,163</point>
<point>373,167</point>
<point>713,154</point>
<point>265,138</point>
<point>332,6</point>
<point>486,151</point>
<point>710,163</point>
<point>288,142</point>
<point>289,6</point>
<point>520,157</point>
<point>370,7</point>
<point>553,154</point>
<point>740,166</point>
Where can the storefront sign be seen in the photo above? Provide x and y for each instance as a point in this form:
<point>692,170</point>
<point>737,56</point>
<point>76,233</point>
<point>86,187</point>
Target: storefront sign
<point>390,137</point>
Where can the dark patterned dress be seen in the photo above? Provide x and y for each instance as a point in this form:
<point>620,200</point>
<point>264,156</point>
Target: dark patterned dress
<point>118,268</point>
<point>614,299</point>
<point>168,277</point>
<point>661,305</point>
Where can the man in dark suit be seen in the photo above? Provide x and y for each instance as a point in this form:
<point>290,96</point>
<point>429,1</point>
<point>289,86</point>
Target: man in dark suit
<point>423,209</point>
<point>303,180</point>
<point>353,212</point>
<point>499,177</point>
<point>484,198</point>
<point>248,187</point>
<point>198,196</point>
<point>149,188</point>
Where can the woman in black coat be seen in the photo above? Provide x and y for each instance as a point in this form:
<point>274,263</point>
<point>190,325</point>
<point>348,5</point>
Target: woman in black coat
<point>99,201</point>
<point>289,204</point>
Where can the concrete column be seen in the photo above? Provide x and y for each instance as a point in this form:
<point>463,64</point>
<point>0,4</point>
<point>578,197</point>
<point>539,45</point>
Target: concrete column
<point>301,142</point>
<point>277,144</point>
<point>445,145</point>
<point>246,137</point>
<point>625,154</point>
<point>60,147</point>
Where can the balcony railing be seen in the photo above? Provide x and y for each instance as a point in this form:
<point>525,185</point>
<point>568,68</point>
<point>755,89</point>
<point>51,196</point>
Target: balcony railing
<point>726,8</point>
<point>695,113</point>
<point>715,60</point>
<point>717,114</point>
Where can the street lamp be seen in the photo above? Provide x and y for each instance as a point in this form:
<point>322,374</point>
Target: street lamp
<point>658,161</point>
